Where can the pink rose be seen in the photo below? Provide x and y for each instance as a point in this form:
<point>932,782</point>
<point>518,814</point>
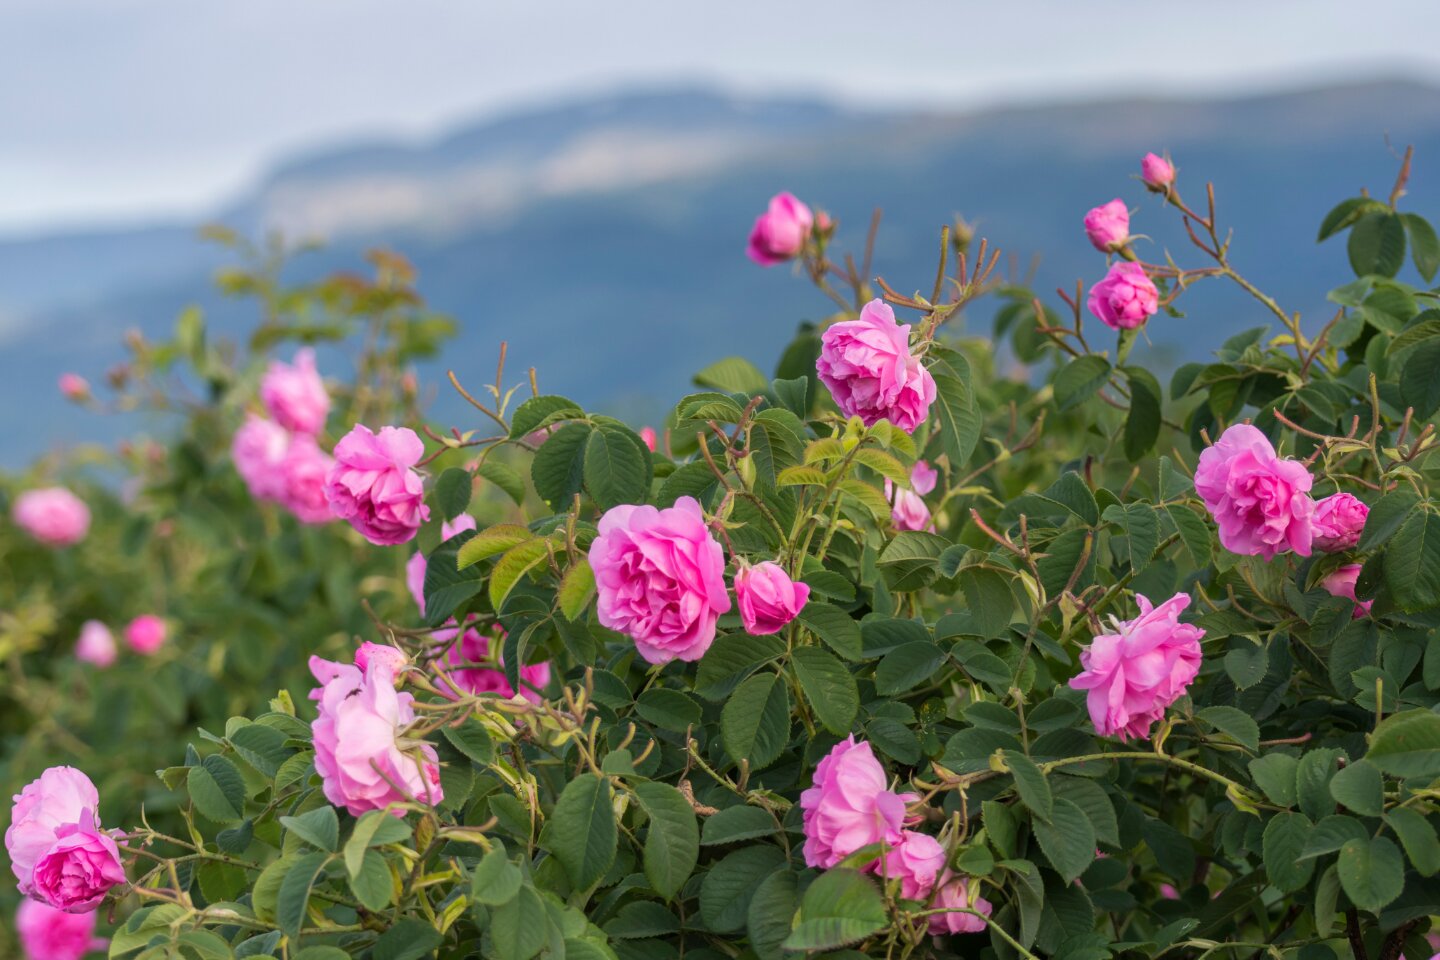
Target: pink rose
<point>849,806</point>
<point>145,634</point>
<point>660,579</point>
<point>415,566</point>
<point>1157,172</point>
<point>373,487</point>
<point>1337,522</point>
<point>1126,298</point>
<point>78,869</point>
<point>923,477</point>
<point>96,645</point>
<point>916,860</point>
<point>381,658</point>
<point>49,934</point>
<point>295,395</point>
<point>1167,890</point>
<point>907,509</point>
<point>780,232</point>
<point>954,894</point>
<point>74,386</point>
<point>361,716</point>
<point>648,435</point>
<point>1108,226</point>
<point>57,851</point>
<point>1341,583</point>
<point>469,664</point>
<point>1260,502</point>
<point>302,475</point>
<point>868,368</point>
<point>52,515</point>
<point>258,450</point>
<point>767,597</point>
<point>1136,672</point>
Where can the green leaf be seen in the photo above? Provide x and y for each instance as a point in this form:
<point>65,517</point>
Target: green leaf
<point>321,953</point>
<point>841,907</point>
<point>217,789</point>
<point>1284,839</point>
<point>472,739</point>
<point>833,625</point>
<point>617,466</point>
<point>767,922</point>
<point>1359,786</point>
<point>1415,582</point>
<point>1071,492</point>
<point>490,542</point>
<point>953,413</point>
<point>668,709</point>
<point>1246,662</point>
<point>576,589</point>
<point>737,823</point>
<point>1274,773</point>
<point>1424,245</point>
<point>1417,836</point>
<point>828,686</point>
<point>1345,213</point>
<point>755,722</point>
<point>1142,423</point>
<point>732,658</point>
<point>911,560</point>
<point>540,412</point>
<point>319,828</point>
<point>907,665</point>
<point>1194,532</point>
<point>1312,781</point>
<point>411,939</point>
<point>988,598</point>
<point>1386,517</point>
<point>642,919</point>
<point>512,566</point>
<point>581,831</point>
<point>1376,246</point>
<point>504,477</point>
<point>1372,872</point>
<point>1142,531</point>
<point>729,885</point>
<point>1031,785</point>
<point>295,892</point>
<point>452,492</point>
<point>558,470</point>
<point>1420,378</point>
<point>732,375</point>
<point>374,829</point>
<point>1407,745</point>
<point>1079,380</point>
<point>261,746</point>
<point>672,841</point>
<point>1091,798</point>
<point>1332,833</point>
<point>496,880</point>
<point>373,885</point>
<point>1234,723</point>
<point>1068,839</point>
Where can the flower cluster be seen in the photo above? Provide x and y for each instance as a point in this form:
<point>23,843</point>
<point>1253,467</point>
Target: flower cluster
<point>279,458</point>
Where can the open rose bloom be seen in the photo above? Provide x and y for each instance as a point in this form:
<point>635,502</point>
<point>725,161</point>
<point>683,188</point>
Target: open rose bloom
<point>1261,503</point>
<point>58,850</point>
<point>49,934</point>
<point>373,487</point>
<point>295,395</point>
<point>868,368</point>
<point>850,805</point>
<point>52,515</point>
<point>258,450</point>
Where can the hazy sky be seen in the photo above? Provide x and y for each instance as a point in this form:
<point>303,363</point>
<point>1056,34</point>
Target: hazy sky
<point>112,109</point>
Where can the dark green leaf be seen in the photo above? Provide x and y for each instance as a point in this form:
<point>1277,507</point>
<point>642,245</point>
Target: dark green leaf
<point>319,828</point>
<point>452,492</point>
<point>841,907</point>
<point>1377,246</point>
<point>829,688</point>
<point>1068,840</point>
<point>755,723</point>
<point>1285,837</point>
<point>672,841</point>
<point>1372,872</point>
<point>581,831</point>
<point>540,412</point>
<point>729,885</point>
<point>833,625</point>
<point>1078,380</point>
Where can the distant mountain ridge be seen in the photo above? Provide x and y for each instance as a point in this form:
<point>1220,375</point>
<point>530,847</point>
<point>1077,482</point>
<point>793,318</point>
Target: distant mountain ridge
<point>616,225</point>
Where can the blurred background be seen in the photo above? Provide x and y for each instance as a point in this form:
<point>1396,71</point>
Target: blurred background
<point>579,178</point>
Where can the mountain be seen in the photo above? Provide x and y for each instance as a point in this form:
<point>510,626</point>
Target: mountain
<point>604,239</point>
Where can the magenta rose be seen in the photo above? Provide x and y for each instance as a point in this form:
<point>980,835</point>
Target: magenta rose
<point>302,475</point>
<point>258,450</point>
<point>52,515</point>
<point>850,805</point>
<point>1338,521</point>
<point>1108,226</point>
<point>96,644</point>
<point>295,395</point>
<point>373,487</point>
<point>74,387</point>
<point>907,509</point>
<point>923,477</point>
<point>867,366</point>
<point>76,872</point>
<point>660,579</point>
<point>46,933</point>
<point>381,658</point>
<point>1261,503</point>
<point>767,597</point>
<point>145,634</point>
<point>954,895</point>
<point>1157,172</point>
<point>415,566</point>
<point>1132,675</point>
<point>1341,583</point>
<point>362,765</point>
<point>57,849</point>
<point>1126,298</point>
<point>915,860</point>
<point>647,434</point>
<point>780,232</point>
<point>470,664</point>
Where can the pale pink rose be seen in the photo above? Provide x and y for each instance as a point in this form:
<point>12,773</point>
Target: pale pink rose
<point>660,579</point>
<point>923,477</point>
<point>373,487</point>
<point>361,765</point>
<point>1126,298</point>
<point>96,645</point>
<point>295,395</point>
<point>415,566</point>
<point>1341,583</point>
<point>780,232</point>
<point>52,515</point>
<point>1261,503</point>
<point>145,634</point>
<point>470,664</point>
<point>302,473</point>
<point>381,658</point>
<point>1157,172</point>
<point>868,368</point>
<point>1108,226</point>
<point>74,386</point>
<point>1143,667</point>
<point>907,509</point>
<point>850,806</point>
<point>46,933</point>
<point>648,435</point>
<point>76,872</point>
<point>57,850</point>
<point>1338,521</point>
<point>954,894</point>
<point>767,597</point>
<point>258,450</point>
<point>916,860</point>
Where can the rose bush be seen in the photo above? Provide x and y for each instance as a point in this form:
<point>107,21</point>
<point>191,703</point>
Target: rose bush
<point>1042,663</point>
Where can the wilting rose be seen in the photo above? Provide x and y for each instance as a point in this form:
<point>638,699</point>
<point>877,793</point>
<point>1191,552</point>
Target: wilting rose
<point>867,366</point>
<point>1108,226</point>
<point>660,579</point>
<point>850,806</point>
<point>415,567</point>
<point>1157,172</point>
<point>780,232</point>
<point>1338,522</point>
<point>258,450</point>
<point>1261,503</point>
<point>57,849</point>
<point>1341,583</point>
<point>96,644</point>
<point>295,395</point>
<point>1133,674</point>
<point>768,598</point>
<point>52,515</point>
<point>46,933</point>
<point>954,895</point>
<point>303,471</point>
<point>74,386</point>
<point>915,860</point>
<point>373,487</point>
<point>145,634</point>
<point>1126,298</point>
<point>469,664</point>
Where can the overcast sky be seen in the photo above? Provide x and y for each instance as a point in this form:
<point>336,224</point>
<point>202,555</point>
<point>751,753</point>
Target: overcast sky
<point>115,109</point>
